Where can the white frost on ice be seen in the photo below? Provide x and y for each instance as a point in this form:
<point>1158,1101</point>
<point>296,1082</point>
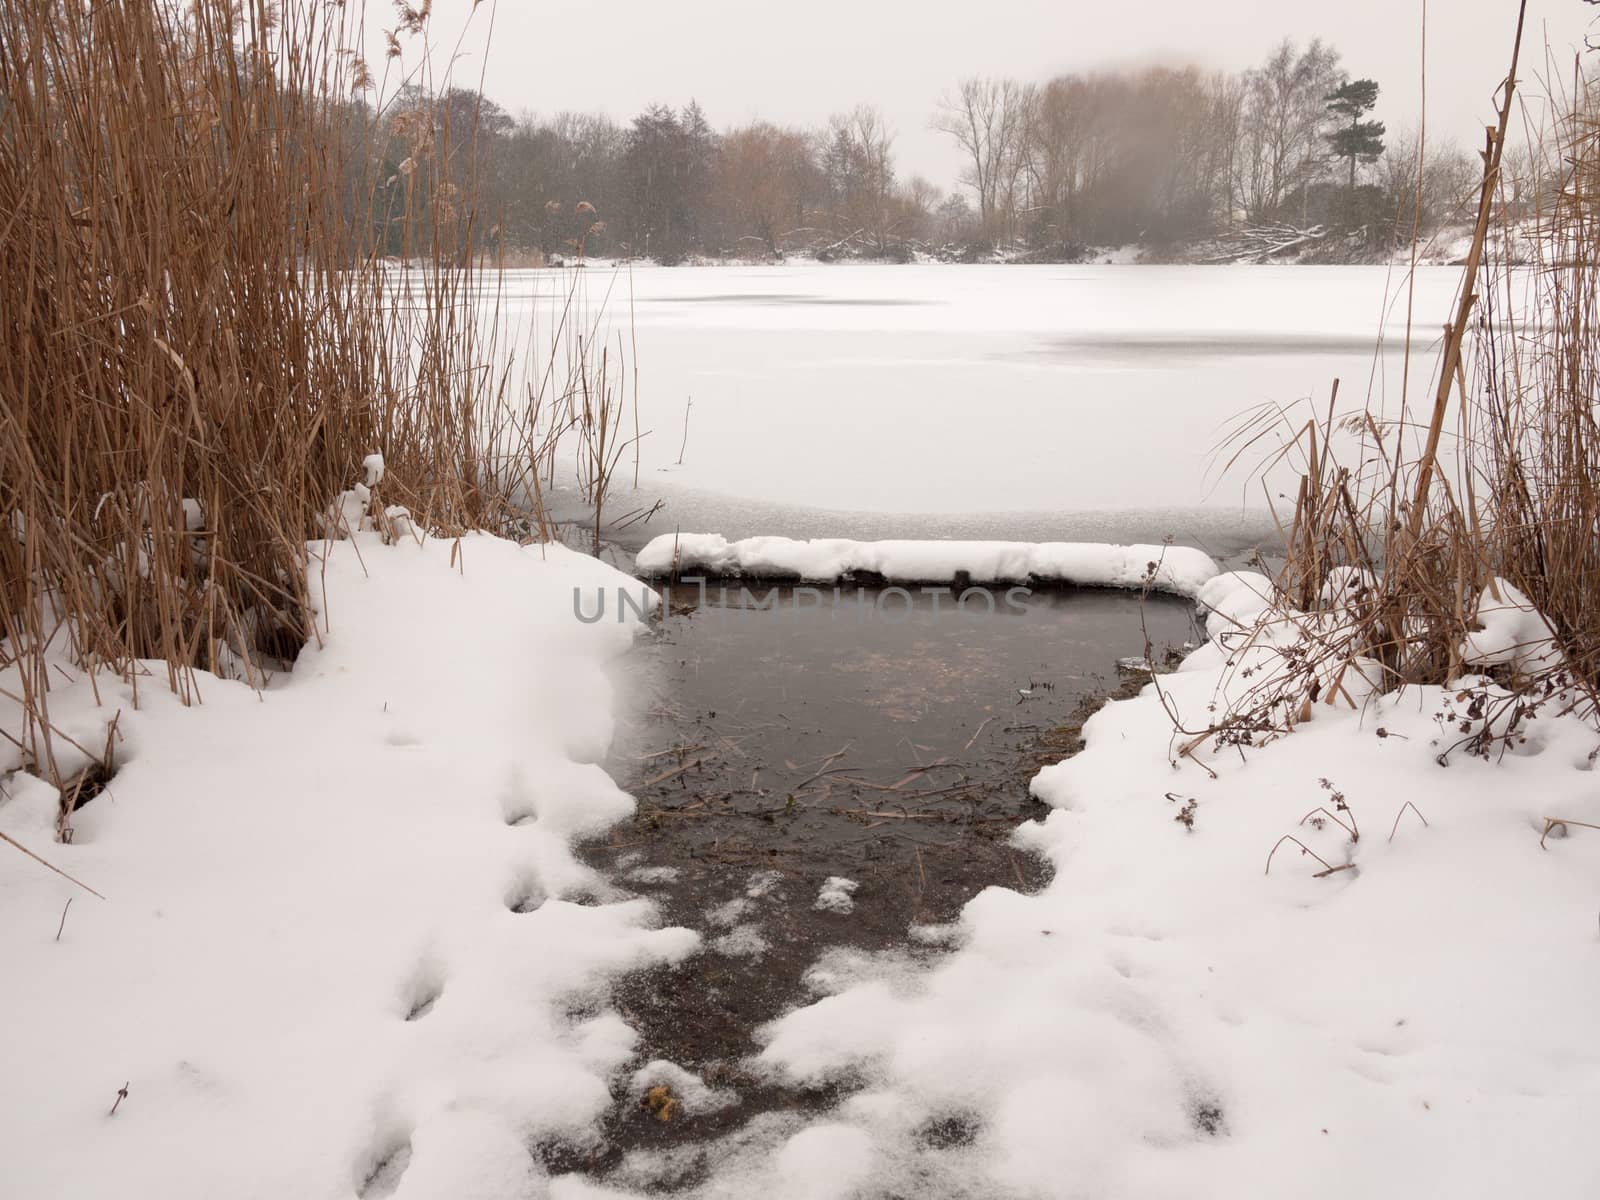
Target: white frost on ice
<point>1180,569</point>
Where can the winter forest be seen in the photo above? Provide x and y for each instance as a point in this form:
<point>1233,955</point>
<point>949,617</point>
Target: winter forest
<point>1177,159</point>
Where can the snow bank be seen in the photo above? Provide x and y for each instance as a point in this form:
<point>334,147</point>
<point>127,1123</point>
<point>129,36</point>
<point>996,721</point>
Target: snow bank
<point>1513,633</point>
<point>1179,569</point>
<point>344,948</point>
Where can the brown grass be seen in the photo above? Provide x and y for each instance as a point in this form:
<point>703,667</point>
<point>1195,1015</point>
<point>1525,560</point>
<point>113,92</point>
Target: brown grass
<point>1501,481</point>
<point>201,338</point>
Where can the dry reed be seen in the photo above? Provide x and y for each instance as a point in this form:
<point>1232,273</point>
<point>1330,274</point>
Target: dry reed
<point>204,332</point>
<point>1399,529</point>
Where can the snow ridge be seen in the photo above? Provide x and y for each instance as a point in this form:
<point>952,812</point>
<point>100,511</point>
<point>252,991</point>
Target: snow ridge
<point>1182,570</point>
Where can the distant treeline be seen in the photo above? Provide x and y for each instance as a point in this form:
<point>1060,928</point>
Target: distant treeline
<point>1179,160</point>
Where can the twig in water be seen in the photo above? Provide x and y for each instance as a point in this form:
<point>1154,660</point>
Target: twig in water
<point>888,816</point>
<point>975,734</point>
<point>688,766</point>
<point>839,753</point>
<point>670,750</point>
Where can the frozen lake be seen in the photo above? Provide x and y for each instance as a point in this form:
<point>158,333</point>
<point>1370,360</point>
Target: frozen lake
<point>1018,402</point>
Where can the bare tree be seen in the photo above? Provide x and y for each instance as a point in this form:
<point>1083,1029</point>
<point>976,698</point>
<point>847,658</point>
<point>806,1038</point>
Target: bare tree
<point>766,183</point>
<point>986,117</point>
<point>1450,179</point>
<point>1284,118</point>
<point>859,161</point>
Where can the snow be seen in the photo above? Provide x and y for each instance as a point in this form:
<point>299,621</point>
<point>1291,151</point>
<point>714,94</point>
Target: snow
<point>742,941</point>
<point>825,1161</point>
<point>836,895</point>
<point>762,884</point>
<point>727,914</point>
<point>1179,569</point>
<point>347,949</point>
<point>963,390</point>
<point>692,1092</point>
<point>1514,633</point>
<point>307,968</point>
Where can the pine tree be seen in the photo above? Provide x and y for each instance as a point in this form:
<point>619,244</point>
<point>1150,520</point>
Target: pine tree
<point>1358,140</point>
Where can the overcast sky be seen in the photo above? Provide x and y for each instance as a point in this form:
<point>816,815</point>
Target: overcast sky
<point>798,63</point>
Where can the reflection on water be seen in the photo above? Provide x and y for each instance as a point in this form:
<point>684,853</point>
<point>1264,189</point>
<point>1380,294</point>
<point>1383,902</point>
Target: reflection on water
<point>899,676</point>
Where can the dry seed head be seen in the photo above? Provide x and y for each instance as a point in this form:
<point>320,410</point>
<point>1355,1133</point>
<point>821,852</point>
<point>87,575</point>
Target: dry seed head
<point>412,20</point>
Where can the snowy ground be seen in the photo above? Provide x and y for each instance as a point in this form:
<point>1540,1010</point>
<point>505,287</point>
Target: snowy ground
<point>346,949</point>
<point>344,938</point>
<point>1081,402</point>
